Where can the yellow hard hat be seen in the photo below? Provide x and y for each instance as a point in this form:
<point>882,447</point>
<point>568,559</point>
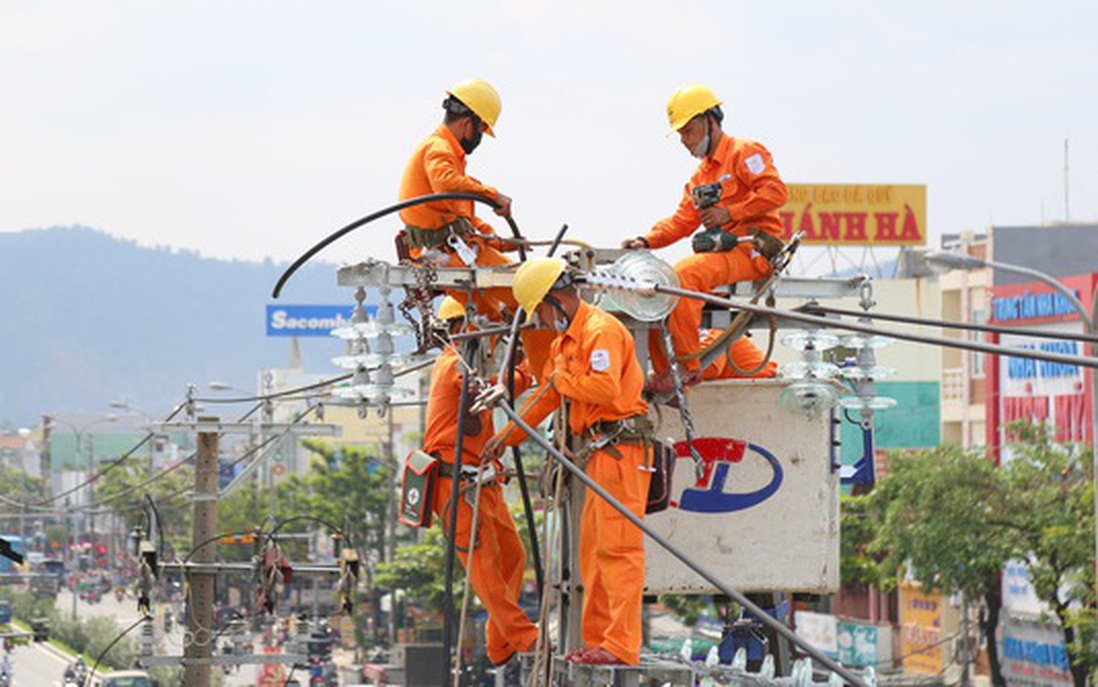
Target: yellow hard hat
<point>533,279</point>
<point>689,102</point>
<point>479,96</point>
<point>450,309</point>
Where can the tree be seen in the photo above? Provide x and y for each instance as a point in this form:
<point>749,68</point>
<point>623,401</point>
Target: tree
<point>940,515</point>
<point>1051,487</point>
<point>420,570</point>
<point>124,490</point>
<point>351,486</point>
<point>953,519</point>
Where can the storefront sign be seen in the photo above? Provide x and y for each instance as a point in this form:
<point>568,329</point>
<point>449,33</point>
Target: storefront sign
<point>821,630</point>
<point>863,645</point>
<point>1034,655</point>
<point>857,214</point>
<point>920,630</point>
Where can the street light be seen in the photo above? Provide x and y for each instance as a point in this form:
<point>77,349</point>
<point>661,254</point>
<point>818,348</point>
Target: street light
<point>222,386</point>
<point>941,262</point>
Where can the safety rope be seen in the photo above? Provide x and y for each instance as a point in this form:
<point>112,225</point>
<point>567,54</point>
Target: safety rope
<point>766,358</point>
<point>466,592</point>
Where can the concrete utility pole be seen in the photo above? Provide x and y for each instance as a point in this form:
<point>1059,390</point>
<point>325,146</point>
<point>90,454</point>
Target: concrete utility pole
<point>200,603</point>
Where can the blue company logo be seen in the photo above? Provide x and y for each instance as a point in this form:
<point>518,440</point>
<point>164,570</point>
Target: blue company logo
<point>718,455</point>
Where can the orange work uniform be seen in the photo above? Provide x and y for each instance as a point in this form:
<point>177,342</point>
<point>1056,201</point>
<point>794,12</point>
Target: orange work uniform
<point>752,193</point>
<point>499,560</point>
<point>594,365</point>
<point>438,166</point>
<point>744,353</point>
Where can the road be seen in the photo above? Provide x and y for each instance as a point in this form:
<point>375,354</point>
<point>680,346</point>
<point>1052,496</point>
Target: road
<point>37,666</point>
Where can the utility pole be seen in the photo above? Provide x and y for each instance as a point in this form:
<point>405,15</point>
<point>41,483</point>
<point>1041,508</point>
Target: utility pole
<point>200,605</point>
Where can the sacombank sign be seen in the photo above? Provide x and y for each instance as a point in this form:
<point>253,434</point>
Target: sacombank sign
<point>309,320</point>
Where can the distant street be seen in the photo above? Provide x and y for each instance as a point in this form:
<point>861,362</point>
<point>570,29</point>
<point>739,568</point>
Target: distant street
<point>125,614</point>
<point>37,666</point>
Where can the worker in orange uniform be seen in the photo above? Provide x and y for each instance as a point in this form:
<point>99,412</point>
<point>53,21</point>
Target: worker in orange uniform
<point>734,192</point>
<point>592,363</point>
<point>499,558</point>
<point>448,232</point>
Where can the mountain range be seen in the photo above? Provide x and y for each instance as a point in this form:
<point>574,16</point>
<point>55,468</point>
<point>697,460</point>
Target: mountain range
<point>87,319</point>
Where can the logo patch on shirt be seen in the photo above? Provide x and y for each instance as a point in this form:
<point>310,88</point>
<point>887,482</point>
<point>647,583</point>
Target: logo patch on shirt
<point>755,163</point>
<point>600,360</point>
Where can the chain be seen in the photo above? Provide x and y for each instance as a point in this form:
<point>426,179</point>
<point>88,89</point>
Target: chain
<point>684,410</point>
<point>420,297</point>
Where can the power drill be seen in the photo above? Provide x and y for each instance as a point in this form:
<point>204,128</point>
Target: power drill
<point>706,195</point>
<point>715,239</point>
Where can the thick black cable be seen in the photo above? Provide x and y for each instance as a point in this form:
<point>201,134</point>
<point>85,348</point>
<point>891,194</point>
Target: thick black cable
<point>451,543</point>
<point>827,323</point>
<point>110,646</point>
<point>411,202</point>
<point>736,596</point>
<point>516,457</point>
<point>814,308</point>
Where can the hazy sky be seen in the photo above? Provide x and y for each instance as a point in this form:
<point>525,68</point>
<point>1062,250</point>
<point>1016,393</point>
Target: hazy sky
<point>254,129</point>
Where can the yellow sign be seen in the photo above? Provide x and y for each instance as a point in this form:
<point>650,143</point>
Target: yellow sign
<point>920,630</point>
<point>857,214</point>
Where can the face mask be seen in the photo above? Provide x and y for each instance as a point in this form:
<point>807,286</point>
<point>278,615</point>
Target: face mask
<point>470,144</point>
<point>702,149</point>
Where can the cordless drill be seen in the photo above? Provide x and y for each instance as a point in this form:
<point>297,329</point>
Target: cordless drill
<point>714,239</point>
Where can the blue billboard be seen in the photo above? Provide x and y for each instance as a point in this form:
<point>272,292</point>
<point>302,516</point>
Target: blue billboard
<point>309,320</point>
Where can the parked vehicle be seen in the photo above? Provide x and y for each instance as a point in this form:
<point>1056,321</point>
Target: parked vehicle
<point>124,678</point>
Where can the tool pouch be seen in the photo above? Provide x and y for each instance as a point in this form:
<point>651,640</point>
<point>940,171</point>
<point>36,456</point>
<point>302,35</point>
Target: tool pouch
<point>663,467</point>
<point>417,491</point>
<point>713,240</point>
<point>768,245</point>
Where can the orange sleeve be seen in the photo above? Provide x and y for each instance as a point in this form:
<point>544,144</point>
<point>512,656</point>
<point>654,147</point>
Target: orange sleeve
<point>598,381</point>
<point>754,167</point>
<point>677,226</point>
<point>536,409</point>
<point>445,175</point>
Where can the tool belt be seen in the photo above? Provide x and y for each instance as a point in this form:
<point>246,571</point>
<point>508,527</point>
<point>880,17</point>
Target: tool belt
<point>605,434</point>
<point>468,472</point>
<point>418,237</point>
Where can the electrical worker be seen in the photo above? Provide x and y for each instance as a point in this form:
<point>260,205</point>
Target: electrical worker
<point>448,232</point>
<point>499,558</point>
<point>749,194</point>
<point>592,363</point>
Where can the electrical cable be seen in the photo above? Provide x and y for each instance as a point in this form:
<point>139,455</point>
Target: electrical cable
<point>113,464</point>
<point>110,646</point>
<point>340,233</point>
<point>814,308</point>
<point>455,467</point>
<point>825,323</point>
<point>270,397</point>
